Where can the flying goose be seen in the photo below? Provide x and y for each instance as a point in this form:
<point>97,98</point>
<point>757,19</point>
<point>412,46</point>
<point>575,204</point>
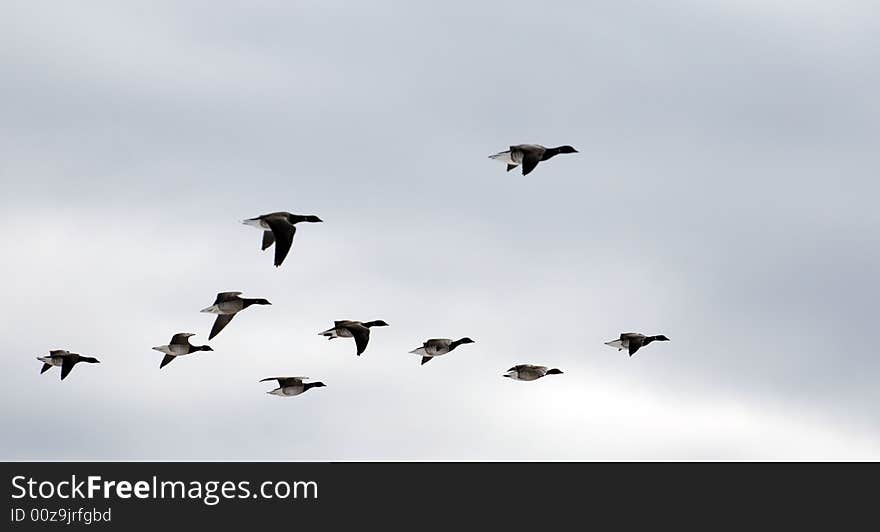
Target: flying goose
<point>635,341</point>
<point>529,372</point>
<point>348,329</point>
<point>289,386</point>
<point>226,306</point>
<point>279,228</point>
<point>179,346</point>
<point>529,155</point>
<point>438,346</point>
<point>65,359</point>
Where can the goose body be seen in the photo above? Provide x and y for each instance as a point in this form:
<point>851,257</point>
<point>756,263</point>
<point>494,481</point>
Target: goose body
<point>179,346</point>
<point>55,358</point>
<point>65,359</point>
<point>529,155</point>
<point>226,306</point>
<point>436,347</point>
<point>290,386</point>
<point>337,332</point>
<point>530,372</point>
<point>358,330</point>
<point>279,228</point>
<point>632,342</point>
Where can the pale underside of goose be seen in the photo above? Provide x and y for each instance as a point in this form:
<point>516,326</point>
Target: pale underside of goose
<point>433,348</point>
<point>225,303</point>
<point>55,358</point>
<point>64,359</point>
<point>511,157</point>
<point>350,329</point>
<point>276,229</point>
<point>290,386</point>
<point>530,372</point>
<point>279,228</point>
<point>336,332</point>
<point>632,342</point>
<point>527,155</point>
<point>527,374</point>
<point>178,346</point>
<point>176,350</point>
<point>226,306</point>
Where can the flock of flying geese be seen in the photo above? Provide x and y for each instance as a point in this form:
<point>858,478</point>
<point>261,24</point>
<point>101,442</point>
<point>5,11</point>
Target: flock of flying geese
<point>279,228</point>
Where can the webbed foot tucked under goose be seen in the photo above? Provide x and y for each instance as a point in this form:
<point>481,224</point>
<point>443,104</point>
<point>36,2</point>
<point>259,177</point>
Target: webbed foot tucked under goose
<point>358,330</point>
<point>634,341</point>
<point>179,346</point>
<point>529,155</point>
<point>226,306</point>
<point>65,359</point>
<point>436,347</point>
<point>279,228</point>
<point>290,386</point>
<point>529,372</point>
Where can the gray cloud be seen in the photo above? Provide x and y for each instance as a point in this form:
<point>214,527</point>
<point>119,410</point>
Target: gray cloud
<point>723,196</point>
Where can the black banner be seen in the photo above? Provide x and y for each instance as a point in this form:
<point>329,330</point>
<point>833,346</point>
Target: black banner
<point>150,495</point>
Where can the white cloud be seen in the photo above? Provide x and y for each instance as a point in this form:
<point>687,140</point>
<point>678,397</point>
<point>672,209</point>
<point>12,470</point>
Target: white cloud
<point>723,196</point>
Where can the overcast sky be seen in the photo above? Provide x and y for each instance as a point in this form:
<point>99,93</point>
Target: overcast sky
<point>725,195</point>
